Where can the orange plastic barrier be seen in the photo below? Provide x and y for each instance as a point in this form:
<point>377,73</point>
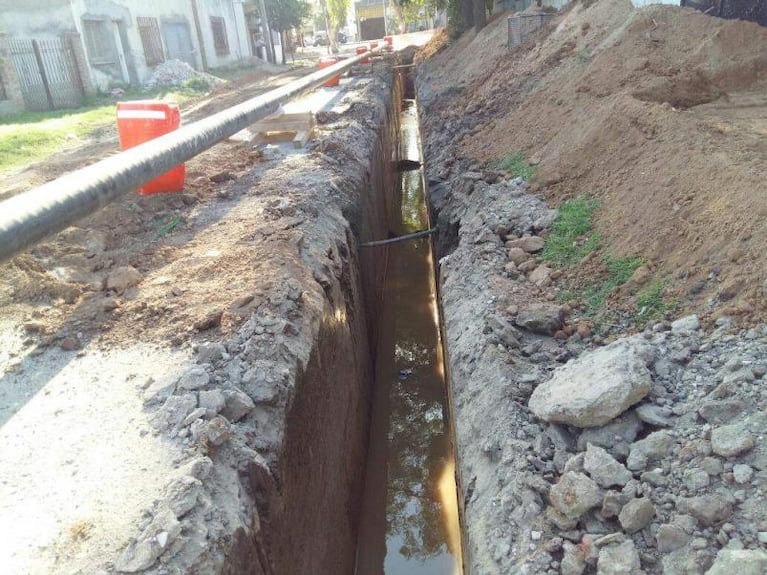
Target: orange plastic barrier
<point>326,62</point>
<point>362,50</point>
<point>389,40</point>
<point>373,45</point>
<point>143,120</point>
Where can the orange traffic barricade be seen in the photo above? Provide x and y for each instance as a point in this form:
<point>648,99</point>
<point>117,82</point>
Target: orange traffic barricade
<point>362,50</point>
<point>143,120</point>
<point>326,62</point>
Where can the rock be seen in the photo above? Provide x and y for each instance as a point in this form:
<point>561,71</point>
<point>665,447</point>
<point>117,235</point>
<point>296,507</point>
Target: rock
<point>731,440</point>
<point>595,387</point>
<point>636,514</point>
<point>174,411</point>
<point>530,244</point>
<point>711,465</point>
<point>573,559</point>
<point>707,509</point>
<point>685,325</point>
<point>153,541</point>
<point>210,352</point>
<point>213,401</point>
<point>742,473</point>
<point>683,561</point>
<point>611,504</point>
<point>195,378</point>
<point>722,411</point>
<point>620,559</point>
<point>237,405</point>
<point>742,562</point>
<point>543,318</point>
<point>656,415</point>
<point>615,437</point>
<point>209,320</point>
<point>218,431</point>
<point>182,494</point>
<point>604,469</point>
<point>671,537</point>
<point>122,278</point>
<point>195,414</point>
<point>540,276</point>
<point>527,266</point>
<point>695,479</point>
<point>517,255</point>
<point>575,494</point>
<point>559,520</point>
<point>651,448</point>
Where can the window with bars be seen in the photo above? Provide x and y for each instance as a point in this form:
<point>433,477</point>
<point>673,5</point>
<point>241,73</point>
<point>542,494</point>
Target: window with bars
<point>99,41</point>
<point>149,30</point>
<point>220,42</point>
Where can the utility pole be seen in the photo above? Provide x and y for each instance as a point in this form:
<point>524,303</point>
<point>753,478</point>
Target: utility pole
<point>267,32</point>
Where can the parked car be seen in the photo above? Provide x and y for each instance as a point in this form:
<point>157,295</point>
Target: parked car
<point>320,39</point>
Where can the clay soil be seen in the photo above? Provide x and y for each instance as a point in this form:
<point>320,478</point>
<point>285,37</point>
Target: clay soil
<point>659,113</point>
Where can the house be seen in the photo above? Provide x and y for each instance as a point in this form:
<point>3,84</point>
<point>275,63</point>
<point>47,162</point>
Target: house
<point>52,47</point>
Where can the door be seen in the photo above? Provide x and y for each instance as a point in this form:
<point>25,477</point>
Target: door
<point>178,41</point>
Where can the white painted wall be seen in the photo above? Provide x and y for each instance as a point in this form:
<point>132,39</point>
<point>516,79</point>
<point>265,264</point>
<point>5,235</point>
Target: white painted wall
<point>40,19</point>
<point>237,34</point>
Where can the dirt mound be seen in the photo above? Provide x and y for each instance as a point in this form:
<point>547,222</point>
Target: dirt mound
<point>658,112</point>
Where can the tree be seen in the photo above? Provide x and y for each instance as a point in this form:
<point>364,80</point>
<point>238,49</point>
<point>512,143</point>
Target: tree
<point>285,15</point>
<point>336,11</point>
<point>412,11</point>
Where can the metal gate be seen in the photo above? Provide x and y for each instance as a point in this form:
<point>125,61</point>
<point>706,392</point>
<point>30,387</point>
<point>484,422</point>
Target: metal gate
<point>178,40</point>
<point>47,73</point>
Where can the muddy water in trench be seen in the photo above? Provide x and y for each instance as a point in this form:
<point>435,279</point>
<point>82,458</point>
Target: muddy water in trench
<point>409,522</point>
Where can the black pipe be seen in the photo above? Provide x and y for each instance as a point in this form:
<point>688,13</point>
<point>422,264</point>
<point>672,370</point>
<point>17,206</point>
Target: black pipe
<point>413,236</point>
<point>29,217</point>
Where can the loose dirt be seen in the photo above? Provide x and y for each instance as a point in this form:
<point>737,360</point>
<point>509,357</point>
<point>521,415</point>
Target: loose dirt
<point>658,112</point>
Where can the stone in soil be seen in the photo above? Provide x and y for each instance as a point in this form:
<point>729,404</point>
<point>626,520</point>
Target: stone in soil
<point>195,378</point>
<point>636,514</point>
<point>707,509</point>
<point>122,278</point>
<point>620,559</point>
<point>529,244</point>
<point>575,494</point>
<point>731,440</point>
<point>604,469</point>
<point>651,448</point>
<point>543,318</point>
<point>596,387</point>
<point>740,562</point>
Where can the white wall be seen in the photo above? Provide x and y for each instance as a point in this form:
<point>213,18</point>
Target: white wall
<point>39,19</point>
<point>236,31</point>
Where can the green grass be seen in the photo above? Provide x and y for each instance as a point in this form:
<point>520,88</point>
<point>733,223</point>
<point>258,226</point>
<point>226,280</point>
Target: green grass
<point>31,136</point>
<point>572,236</point>
<point>651,304</point>
<point>516,165</point>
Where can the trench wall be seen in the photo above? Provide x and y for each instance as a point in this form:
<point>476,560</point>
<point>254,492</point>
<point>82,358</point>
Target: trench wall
<point>307,498</point>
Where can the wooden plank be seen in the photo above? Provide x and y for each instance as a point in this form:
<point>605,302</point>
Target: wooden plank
<point>300,140</point>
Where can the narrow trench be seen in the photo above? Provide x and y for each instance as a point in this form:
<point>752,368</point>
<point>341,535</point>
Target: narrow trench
<point>409,519</point>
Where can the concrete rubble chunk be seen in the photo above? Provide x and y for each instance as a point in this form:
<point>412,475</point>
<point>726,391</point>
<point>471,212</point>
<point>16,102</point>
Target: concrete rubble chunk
<point>142,553</point>
<point>596,387</point>
<point>518,255</point>
<point>604,469</point>
<point>671,537</point>
<point>543,318</point>
<point>182,494</point>
<point>707,509</point>
<point>573,559</point>
<point>195,378</point>
<point>740,562</point>
<point>174,411</point>
<point>210,352</point>
<point>218,431</point>
<point>718,412</point>
<point>575,494</point>
<point>238,404</point>
<point>636,514</point>
<point>731,440</point>
<point>651,448</point>
<point>213,401</point>
<point>540,275</point>
<point>656,415</point>
<point>620,559</point>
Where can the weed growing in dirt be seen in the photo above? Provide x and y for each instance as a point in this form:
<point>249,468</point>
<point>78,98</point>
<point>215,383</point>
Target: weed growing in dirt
<point>651,305</point>
<point>516,165</point>
<point>571,237</point>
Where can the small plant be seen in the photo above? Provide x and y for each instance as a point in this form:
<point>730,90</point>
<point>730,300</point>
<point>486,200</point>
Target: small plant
<point>516,165</point>
<point>571,237</point>
<point>651,305</point>
<point>197,84</point>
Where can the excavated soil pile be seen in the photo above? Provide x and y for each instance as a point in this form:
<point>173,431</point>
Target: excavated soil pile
<point>657,112</point>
